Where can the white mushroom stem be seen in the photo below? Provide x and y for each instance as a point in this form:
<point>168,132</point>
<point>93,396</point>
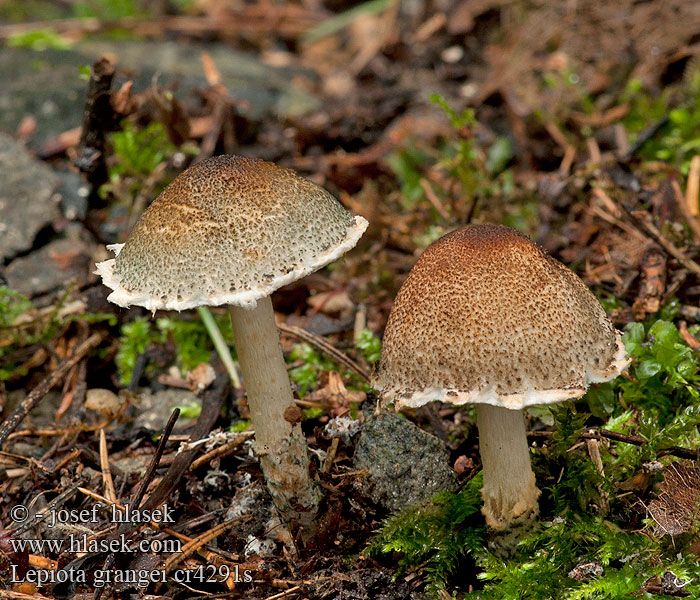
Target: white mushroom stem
<point>280,444</point>
<point>509,490</point>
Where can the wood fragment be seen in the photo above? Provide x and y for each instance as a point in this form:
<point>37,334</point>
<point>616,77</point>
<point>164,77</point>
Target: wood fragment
<point>622,142</point>
<point>196,544</point>
<point>653,284</point>
<point>10,595</point>
<point>211,71</point>
<point>426,30</point>
<point>285,593</point>
<point>60,143</point>
<point>330,455</point>
<point>212,401</point>
<point>687,336</point>
<point>692,189</point>
<point>66,459</point>
<point>223,450</point>
<point>690,218</point>
<point>563,143</point>
<point>98,119</point>
<point>593,151</point>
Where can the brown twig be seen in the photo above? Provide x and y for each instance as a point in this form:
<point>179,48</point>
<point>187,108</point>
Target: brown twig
<point>110,493</point>
<point>36,395</point>
<point>560,139</point>
<point>627,439</point>
<point>687,336</point>
<point>223,450</point>
<point>324,346</point>
<point>433,199</point>
<point>285,593</point>
<point>685,208</point>
<point>643,222</point>
<point>692,189</point>
<point>197,543</point>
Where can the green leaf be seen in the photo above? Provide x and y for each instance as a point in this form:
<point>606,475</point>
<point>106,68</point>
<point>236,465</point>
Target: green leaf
<point>499,155</point>
<point>648,368</point>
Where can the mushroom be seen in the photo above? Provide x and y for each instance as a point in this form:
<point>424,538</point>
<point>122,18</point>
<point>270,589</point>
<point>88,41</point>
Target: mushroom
<point>487,317</point>
<point>231,230</point>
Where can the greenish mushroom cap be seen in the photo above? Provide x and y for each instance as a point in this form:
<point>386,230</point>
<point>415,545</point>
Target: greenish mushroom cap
<point>228,230</point>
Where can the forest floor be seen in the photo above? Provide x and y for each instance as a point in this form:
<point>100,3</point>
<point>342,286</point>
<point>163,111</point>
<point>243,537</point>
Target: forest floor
<point>576,123</point>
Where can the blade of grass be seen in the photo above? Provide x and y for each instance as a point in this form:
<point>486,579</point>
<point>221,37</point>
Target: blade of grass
<point>220,344</point>
<point>342,20</point>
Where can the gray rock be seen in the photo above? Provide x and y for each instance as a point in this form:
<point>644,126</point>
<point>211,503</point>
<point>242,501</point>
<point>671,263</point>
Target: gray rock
<point>48,86</point>
<point>52,267</point>
<point>406,464</point>
<point>27,199</point>
<point>154,409</point>
<point>73,193</point>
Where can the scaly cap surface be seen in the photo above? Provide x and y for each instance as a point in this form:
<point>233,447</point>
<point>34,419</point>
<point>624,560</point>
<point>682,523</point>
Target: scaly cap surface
<point>228,230</point>
<point>486,316</point>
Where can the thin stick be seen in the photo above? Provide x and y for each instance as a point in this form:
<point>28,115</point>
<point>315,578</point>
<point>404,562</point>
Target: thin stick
<point>220,344</point>
<point>643,138</point>
<point>325,346</point>
<point>685,209</point>
<point>627,439</point>
<point>285,593</point>
<point>222,450</point>
<point>36,395</point>
<point>646,225</point>
<point>692,190</point>
<point>434,200</point>
<point>110,493</point>
<point>197,543</point>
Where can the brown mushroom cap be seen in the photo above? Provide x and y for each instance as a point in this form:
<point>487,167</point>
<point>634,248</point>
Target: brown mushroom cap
<point>486,316</point>
<point>228,230</point>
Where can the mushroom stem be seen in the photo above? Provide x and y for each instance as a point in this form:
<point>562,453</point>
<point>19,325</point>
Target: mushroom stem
<point>280,444</point>
<point>509,490</point>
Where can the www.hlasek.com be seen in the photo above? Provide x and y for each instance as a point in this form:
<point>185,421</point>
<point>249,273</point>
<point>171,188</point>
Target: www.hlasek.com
<point>88,543</point>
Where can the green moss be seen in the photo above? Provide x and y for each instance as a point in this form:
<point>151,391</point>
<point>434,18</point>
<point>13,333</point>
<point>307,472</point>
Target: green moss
<point>39,39</point>
<point>370,346</point>
<point>679,139</point>
<point>438,536</point>
<point>306,375</point>
<point>139,151</point>
<point>193,345</point>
